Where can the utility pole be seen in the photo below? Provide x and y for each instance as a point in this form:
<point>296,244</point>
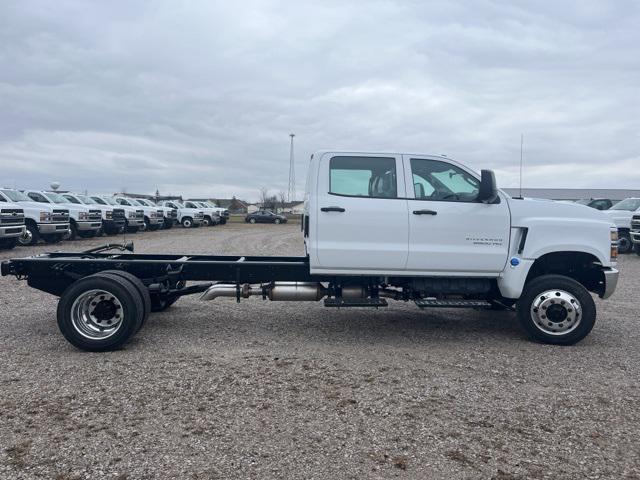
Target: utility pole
<point>292,173</point>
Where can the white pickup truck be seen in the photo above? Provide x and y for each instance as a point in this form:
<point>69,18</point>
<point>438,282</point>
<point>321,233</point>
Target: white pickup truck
<point>134,216</point>
<point>83,221</point>
<point>153,216</point>
<point>187,217</point>
<point>376,226</point>
<point>621,214</point>
<point>113,218</point>
<point>11,223</point>
<point>211,215</point>
<point>169,215</point>
<point>51,223</point>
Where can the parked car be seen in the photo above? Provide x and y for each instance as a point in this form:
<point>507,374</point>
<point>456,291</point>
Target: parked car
<point>83,221</point>
<point>113,218</point>
<point>153,216</point>
<point>211,216</point>
<point>265,216</point>
<point>11,223</point>
<point>51,223</point>
<point>169,215</point>
<point>187,217</point>
<point>134,216</point>
<point>621,214</point>
<point>597,203</point>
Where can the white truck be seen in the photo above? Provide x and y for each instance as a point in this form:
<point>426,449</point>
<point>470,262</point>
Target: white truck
<point>376,227</point>
<point>222,213</point>
<point>113,218</point>
<point>83,221</point>
<point>51,223</point>
<point>211,215</point>
<point>170,215</point>
<point>621,214</point>
<point>153,216</point>
<point>134,216</point>
<point>187,217</point>
<point>11,223</point>
<point>635,232</point>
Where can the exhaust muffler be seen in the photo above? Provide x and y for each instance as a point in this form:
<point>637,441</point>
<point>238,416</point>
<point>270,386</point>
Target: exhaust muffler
<point>278,291</point>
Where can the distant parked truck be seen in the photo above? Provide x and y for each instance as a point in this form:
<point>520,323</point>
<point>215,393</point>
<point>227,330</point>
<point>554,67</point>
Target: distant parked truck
<point>222,212</point>
<point>169,215</point>
<point>187,217</point>
<point>11,223</point>
<point>153,216</point>
<point>113,219</point>
<point>83,221</point>
<point>211,215</point>
<point>597,203</point>
<point>134,216</point>
<point>621,214</point>
<point>41,220</point>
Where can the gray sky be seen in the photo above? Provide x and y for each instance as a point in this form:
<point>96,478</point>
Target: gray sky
<point>199,97</point>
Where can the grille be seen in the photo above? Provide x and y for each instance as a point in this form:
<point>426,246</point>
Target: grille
<point>173,214</point>
<point>199,215</point>
<point>635,222</point>
<point>95,215</point>
<point>60,216</point>
<point>11,216</point>
<point>118,214</point>
<point>140,214</point>
<point>160,213</point>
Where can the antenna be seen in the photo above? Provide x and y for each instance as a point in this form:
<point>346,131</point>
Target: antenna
<point>521,149</point>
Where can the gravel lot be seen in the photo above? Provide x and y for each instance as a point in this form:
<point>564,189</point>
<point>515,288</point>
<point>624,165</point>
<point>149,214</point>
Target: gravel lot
<point>276,390</point>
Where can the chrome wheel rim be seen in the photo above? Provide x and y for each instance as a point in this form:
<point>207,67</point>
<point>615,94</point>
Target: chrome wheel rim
<point>26,238</point>
<point>556,312</point>
<point>187,223</point>
<point>97,314</point>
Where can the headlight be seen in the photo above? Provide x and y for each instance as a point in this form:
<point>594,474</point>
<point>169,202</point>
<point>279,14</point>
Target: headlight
<point>614,244</point>
<point>109,215</point>
<point>45,216</point>
<point>83,216</point>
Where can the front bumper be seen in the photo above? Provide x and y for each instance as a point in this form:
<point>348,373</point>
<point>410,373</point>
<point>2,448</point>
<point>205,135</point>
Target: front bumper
<point>610,282</point>
<point>136,222</point>
<point>88,226</point>
<point>47,228</point>
<point>11,231</point>
<point>635,236</point>
<point>113,224</point>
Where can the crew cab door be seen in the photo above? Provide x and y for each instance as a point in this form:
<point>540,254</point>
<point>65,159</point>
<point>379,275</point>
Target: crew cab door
<point>450,231</point>
<point>361,214</point>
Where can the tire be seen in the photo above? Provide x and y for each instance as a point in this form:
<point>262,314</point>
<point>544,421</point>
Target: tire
<point>8,243</point>
<point>206,222</point>
<point>624,243</point>
<point>145,226</point>
<point>223,221</point>
<point>139,286</point>
<point>31,235</point>
<point>574,311</point>
<point>168,224</point>
<point>187,222</point>
<point>73,232</point>
<point>252,221</point>
<point>636,248</point>
<point>84,328</point>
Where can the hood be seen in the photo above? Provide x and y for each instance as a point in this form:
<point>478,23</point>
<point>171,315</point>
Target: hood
<point>539,208</point>
<point>622,218</point>
<point>45,207</point>
<point>71,206</point>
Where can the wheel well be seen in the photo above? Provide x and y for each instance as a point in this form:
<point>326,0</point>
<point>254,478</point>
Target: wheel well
<point>31,222</point>
<point>582,267</point>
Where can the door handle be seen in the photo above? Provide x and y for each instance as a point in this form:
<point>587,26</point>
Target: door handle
<point>332,209</point>
<point>425,212</point>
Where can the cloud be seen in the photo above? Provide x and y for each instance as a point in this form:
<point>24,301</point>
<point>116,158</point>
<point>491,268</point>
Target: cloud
<point>199,98</point>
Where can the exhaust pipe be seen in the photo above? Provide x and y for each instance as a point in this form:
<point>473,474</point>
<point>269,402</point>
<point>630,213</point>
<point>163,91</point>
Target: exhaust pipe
<point>279,291</point>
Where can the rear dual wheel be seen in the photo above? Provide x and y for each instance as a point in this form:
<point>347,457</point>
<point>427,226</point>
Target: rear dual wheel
<point>102,311</point>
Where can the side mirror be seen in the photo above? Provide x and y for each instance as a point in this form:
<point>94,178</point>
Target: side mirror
<point>488,192</point>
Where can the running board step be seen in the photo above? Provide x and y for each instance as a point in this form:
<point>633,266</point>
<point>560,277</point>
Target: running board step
<point>355,302</point>
<point>431,303</point>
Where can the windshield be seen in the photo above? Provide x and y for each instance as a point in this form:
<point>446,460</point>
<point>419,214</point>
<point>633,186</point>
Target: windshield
<point>16,196</point>
<point>87,200</point>
<point>110,201</point>
<point>56,198</point>
<point>630,204</point>
<point>141,201</point>
<point>133,201</point>
<point>583,202</point>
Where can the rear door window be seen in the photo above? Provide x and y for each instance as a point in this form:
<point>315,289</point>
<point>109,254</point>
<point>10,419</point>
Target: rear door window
<point>373,177</point>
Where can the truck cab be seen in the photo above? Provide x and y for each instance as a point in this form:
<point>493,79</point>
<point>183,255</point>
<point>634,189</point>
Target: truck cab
<point>134,216</point>
<point>113,218</point>
<point>187,217</point>
<point>621,214</point>
<point>153,216</point>
<point>51,223</point>
<point>223,212</point>
<point>11,223</point>
<point>211,215</point>
<point>83,221</point>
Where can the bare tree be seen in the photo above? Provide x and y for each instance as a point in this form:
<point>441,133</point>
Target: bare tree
<point>264,196</point>
<point>282,197</point>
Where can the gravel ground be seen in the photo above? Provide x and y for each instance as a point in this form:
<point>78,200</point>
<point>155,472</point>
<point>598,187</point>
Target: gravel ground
<point>276,390</point>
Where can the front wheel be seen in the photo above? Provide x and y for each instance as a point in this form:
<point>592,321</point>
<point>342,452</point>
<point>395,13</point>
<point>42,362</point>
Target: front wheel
<point>187,222</point>
<point>277,221</point>
<point>30,236</point>
<point>206,221</point>
<point>624,243</point>
<point>556,309</point>
<point>252,220</point>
